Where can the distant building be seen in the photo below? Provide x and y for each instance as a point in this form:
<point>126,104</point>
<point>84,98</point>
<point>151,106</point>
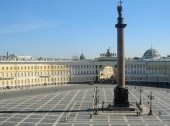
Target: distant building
<point>75,58</point>
<point>148,70</point>
<point>151,54</point>
<point>82,57</point>
<point>24,57</point>
<point>168,56</point>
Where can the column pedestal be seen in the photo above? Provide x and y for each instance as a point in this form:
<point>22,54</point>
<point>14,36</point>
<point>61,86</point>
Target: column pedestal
<point>121,97</point>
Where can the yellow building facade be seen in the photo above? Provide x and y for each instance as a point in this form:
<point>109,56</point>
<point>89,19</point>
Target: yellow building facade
<point>26,74</point>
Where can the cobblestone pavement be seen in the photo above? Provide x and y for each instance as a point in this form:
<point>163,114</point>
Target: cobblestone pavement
<point>72,108</point>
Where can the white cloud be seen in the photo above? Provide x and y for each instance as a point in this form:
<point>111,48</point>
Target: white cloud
<point>14,28</point>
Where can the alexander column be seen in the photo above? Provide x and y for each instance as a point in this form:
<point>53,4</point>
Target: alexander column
<point>120,91</point>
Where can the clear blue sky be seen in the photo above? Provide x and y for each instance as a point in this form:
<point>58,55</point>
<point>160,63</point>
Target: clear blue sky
<point>63,28</point>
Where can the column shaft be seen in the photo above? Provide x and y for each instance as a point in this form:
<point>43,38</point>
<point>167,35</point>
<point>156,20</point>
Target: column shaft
<point>121,58</point>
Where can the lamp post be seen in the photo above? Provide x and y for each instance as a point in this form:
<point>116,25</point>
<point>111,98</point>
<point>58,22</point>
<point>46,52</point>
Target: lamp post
<point>96,100</point>
<point>140,90</point>
<point>150,97</point>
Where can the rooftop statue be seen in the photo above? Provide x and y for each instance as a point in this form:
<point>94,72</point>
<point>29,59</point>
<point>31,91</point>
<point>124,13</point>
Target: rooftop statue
<point>119,9</point>
<point>108,54</point>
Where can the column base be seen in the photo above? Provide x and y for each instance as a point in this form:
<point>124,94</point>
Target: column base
<point>121,97</point>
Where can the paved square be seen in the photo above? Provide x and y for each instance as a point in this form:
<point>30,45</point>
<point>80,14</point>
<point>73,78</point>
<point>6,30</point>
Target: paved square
<point>70,107</point>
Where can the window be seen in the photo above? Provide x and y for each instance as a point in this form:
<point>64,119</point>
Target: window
<point>134,66</point>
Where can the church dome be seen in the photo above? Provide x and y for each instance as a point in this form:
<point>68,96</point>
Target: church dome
<point>151,54</point>
<point>82,57</point>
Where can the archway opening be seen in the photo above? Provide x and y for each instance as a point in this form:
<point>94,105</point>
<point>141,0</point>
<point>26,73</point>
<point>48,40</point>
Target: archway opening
<point>108,75</point>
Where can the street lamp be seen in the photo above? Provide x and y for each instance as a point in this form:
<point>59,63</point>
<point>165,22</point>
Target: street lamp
<point>140,90</point>
<point>150,97</point>
<point>96,100</point>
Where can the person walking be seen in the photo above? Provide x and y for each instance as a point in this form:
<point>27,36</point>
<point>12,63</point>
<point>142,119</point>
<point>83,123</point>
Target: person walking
<point>159,112</point>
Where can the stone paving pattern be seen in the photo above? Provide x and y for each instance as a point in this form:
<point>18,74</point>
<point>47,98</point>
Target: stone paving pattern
<point>53,108</point>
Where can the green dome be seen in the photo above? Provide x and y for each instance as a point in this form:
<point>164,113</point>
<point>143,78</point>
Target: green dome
<point>151,54</point>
